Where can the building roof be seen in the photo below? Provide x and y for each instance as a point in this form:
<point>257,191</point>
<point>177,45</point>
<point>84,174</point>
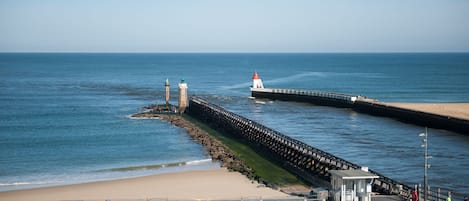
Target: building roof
<point>353,174</point>
<point>255,76</point>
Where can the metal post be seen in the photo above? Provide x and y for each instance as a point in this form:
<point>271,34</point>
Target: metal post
<point>426,157</point>
<point>420,191</point>
<point>425,181</point>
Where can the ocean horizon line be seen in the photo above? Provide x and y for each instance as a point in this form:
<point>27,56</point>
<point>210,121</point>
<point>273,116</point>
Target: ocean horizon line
<point>234,52</point>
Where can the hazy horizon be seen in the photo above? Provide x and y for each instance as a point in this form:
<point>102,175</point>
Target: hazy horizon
<point>272,52</point>
<point>210,26</point>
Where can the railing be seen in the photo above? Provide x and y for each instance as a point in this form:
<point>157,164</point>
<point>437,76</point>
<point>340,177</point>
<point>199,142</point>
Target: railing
<point>435,194</point>
<point>314,93</point>
<point>298,153</point>
<point>441,194</point>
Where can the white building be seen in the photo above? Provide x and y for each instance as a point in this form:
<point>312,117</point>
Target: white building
<point>351,185</point>
<point>256,82</point>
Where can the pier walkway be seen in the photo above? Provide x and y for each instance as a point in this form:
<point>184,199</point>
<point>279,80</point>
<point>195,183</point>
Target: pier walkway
<point>312,96</point>
<point>453,117</point>
<point>453,110</point>
<point>307,162</point>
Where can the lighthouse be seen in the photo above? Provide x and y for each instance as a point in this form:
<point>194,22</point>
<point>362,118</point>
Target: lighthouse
<point>166,84</point>
<point>183,101</point>
<point>256,82</point>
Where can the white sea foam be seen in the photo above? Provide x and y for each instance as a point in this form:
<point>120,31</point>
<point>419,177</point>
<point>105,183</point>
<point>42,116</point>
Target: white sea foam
<point>237,86</point>
<point>131,117</point>
<point>260,102</point>
<point>108,174</point>
<point>28,183</point>
<point>296,77</point>
<point>157,166</point>
<point>303,75</point>
<point>278,80</point>
<point>208,160</point>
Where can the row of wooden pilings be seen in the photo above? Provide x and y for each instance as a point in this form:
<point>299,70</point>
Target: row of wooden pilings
<point>307,162</point>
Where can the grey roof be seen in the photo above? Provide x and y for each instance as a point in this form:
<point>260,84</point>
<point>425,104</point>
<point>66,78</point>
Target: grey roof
<point>353,174</point>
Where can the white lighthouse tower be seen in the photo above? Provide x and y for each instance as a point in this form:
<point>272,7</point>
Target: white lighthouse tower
<point>183,99</point>
<point>166,84</point>
<point>256,82</point>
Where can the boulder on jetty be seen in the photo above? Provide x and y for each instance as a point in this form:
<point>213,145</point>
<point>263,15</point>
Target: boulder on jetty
<point>217,150</point>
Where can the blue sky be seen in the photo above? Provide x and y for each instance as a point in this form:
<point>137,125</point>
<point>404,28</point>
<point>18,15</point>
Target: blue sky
<point>234,26</point>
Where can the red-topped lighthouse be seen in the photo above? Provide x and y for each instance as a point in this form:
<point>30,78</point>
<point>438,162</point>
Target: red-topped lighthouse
<point>256,81</point>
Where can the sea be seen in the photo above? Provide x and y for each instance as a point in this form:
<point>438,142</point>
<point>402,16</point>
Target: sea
<point>65,117</point>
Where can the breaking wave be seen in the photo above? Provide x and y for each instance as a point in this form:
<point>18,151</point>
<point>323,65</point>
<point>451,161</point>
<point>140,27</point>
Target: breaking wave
<point>158,166</point>
<point>131,117</point>
<point>28,183</point>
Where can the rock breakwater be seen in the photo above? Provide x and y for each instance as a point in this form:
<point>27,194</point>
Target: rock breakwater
<point>217,150</point>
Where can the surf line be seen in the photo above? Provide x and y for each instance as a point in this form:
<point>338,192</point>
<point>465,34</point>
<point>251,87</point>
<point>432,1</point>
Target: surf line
<point>216,149</point>
<point>158,166</point>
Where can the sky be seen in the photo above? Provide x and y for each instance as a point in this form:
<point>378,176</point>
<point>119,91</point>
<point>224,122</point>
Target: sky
<point>234,26</point>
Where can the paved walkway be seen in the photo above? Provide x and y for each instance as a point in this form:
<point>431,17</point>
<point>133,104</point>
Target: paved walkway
<point>458,110</point>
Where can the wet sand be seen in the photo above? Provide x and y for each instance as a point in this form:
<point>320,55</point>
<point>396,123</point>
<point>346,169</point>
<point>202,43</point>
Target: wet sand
<point>191,185</point>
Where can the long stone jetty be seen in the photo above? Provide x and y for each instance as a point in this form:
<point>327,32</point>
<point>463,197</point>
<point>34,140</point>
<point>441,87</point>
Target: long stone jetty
<point>307,162</point>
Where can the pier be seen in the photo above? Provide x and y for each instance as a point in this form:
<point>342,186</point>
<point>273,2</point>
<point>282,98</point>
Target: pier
<point>369,106</point>
<point>426,117</point>
<point>307,162</point>
<point>310,96</point>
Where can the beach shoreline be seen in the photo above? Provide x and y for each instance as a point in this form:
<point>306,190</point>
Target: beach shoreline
<point>220,183</point>
<point>229,155</point>
<point>212,184</point>
<point>216,149</point>
<point>188,185</point>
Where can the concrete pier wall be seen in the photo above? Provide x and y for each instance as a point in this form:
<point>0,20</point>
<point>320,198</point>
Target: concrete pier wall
<point>367,106</point>
<point>310,96</point>
<point>414,117</point>
<point>307,162</point>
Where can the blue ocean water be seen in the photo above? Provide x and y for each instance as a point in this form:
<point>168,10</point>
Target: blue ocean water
<point>64,117</point>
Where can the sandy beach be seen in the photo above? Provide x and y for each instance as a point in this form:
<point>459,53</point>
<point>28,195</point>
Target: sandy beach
<point>458,110</point>
<point>190,185</point>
